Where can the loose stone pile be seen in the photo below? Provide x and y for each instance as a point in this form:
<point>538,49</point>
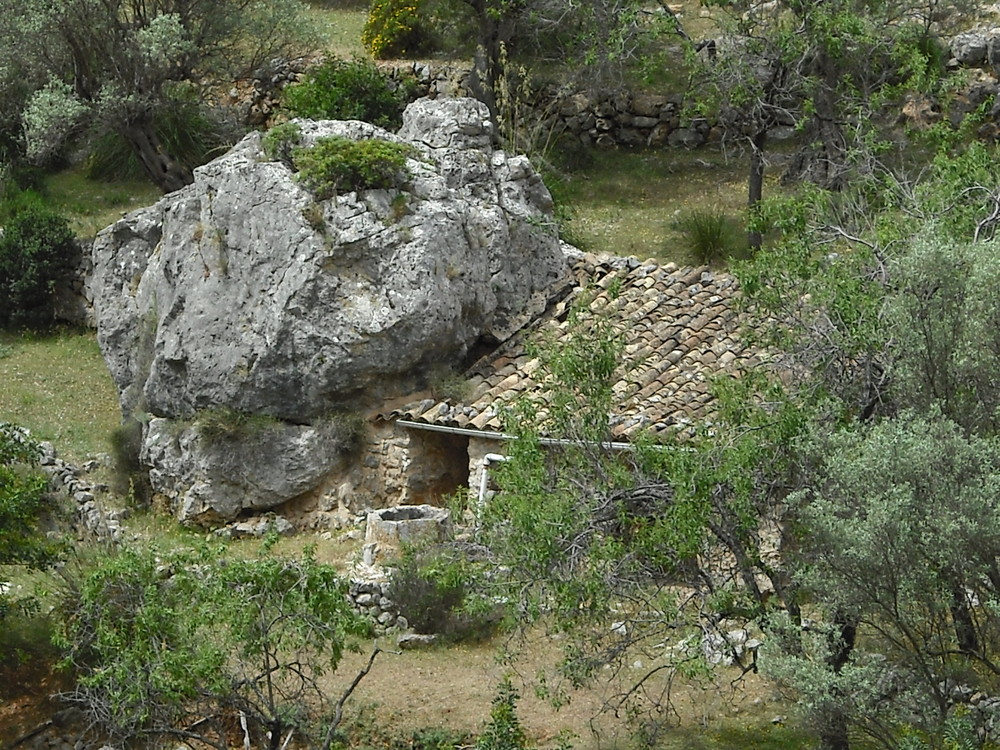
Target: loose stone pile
<point>371,598</point>
<point>90,518</point>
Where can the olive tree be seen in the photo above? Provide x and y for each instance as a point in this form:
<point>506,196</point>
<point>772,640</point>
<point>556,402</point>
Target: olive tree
<point>829,69</point>
<point>843,511</point>
<point>122,64</point>
<point>902,542</point>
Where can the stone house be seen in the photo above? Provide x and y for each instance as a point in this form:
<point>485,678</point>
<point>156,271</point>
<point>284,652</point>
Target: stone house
<point>680,329</point>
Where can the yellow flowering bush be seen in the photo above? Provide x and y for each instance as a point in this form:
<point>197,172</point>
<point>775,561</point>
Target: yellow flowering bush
<point>396,28</point>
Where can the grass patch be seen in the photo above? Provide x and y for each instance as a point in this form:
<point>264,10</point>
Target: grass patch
<point>58,386</point>
<point>91,205</point>
<point>340,23</point>
<point>732,734</point>
<point>627,202</point>
<point>711,238</point>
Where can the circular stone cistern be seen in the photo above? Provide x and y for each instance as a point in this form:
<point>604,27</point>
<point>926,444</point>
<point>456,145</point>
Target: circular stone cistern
<point>406,525</point>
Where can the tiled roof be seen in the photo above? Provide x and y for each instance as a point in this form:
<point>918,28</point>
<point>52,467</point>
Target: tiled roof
<point>679,327</point>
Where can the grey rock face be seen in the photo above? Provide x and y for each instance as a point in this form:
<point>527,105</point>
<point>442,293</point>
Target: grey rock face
<point>243,291</point>
<point>213,478</point>
<point>978,47</point>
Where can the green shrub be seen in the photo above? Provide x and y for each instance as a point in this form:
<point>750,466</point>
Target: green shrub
<point>410,28</point>
<point>335,163</point>
<point>431,589</point>
<point>35,247</point>
<point>23,502</point>
<point>15,200</point>
<point>710,237</point>
<point>504,730</point>
<point>280,141</point>
<point>342,90</point>
<point>396,28</point>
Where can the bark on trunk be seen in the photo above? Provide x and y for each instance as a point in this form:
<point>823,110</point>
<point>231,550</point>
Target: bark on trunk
<point>495,31</point>
<point>824,160</point>
<point>166,172</point>
<point>833,733</point>
<point>965,626</point>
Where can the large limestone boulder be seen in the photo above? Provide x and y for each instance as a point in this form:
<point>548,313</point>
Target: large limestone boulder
<point>244,292</point>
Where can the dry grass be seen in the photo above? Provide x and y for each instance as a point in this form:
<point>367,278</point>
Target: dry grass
<point>451,687</point>
<point>58,386</point>
<point>91,205</point>
<point>627,202</point>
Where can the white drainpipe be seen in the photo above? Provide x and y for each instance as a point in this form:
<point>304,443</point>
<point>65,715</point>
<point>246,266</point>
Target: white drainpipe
<point>484,480</point>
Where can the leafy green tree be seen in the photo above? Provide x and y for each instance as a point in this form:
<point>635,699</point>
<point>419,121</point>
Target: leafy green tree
<point>763,527</point>
<point>601,37</point>
<point>828,68</point>
<point>903,541</point>
<point>599,541</point>
<point>188,646</point>
<point>120,64</point>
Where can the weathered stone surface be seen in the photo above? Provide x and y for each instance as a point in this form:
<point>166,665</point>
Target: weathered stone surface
<point>407,525</point>
<point>970,47</point>
<point>211,479</point>
<point>242,291</point>
<point>226,294</point>
<point>413,641</point>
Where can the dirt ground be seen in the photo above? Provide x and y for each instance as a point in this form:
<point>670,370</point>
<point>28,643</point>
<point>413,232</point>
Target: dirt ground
<point>453,687</point>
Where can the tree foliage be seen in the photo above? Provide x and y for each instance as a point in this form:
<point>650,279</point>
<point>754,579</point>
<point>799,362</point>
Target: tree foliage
<point>23,501</point>
<point>193,647</point>
<point>120,64</point>
<point>840,509</point>
<point>828,69</point>
<point>36,247</point>
<point>903,540</point>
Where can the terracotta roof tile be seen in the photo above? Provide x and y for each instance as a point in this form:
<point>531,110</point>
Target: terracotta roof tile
<point>679,329</point>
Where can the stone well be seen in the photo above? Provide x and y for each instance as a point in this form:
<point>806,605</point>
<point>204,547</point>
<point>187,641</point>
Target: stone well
<point>392,528</point>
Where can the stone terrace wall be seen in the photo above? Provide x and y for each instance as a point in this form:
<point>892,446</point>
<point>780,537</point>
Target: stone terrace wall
<point>611,118</point>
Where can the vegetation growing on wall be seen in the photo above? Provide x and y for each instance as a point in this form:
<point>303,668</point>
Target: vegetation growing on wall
<point>347,90</point>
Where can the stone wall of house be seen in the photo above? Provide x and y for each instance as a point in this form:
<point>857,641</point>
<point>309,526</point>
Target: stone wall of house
<point>393,466</point>
<point>374,478</point>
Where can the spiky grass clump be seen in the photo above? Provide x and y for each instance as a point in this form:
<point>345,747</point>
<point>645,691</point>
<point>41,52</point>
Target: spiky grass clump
<point>710,237</point>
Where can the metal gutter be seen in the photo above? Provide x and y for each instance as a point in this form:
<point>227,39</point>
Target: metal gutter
<point>615,446</point>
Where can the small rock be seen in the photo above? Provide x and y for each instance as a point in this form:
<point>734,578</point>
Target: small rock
<point>410,641</point>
